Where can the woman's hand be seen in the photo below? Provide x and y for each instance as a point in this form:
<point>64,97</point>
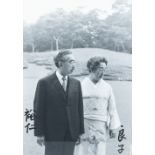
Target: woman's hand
<point>112,134</point>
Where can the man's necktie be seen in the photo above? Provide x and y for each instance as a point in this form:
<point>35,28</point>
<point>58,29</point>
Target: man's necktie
<point>64,83</point>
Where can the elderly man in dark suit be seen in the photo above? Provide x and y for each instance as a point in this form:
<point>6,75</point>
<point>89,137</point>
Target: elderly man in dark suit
<point>58,108</point>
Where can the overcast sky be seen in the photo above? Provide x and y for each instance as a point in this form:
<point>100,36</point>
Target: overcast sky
<point>33,9</point>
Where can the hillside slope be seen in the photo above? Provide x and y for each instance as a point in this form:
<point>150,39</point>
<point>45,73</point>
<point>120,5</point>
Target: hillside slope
<point>119,64</point>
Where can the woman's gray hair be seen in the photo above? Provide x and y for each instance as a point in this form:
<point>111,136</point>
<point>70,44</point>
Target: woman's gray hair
<point>94,62</point>
<point>60,57</point>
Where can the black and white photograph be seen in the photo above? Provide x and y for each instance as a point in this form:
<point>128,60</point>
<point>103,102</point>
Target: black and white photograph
<point>77,77</point>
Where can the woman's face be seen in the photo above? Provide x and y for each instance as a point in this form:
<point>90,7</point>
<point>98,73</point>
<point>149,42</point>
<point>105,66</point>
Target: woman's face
<point>99,72</point>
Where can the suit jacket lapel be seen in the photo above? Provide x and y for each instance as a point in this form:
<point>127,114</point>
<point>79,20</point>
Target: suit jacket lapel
<point>70,87</point>
<point>59,87</point>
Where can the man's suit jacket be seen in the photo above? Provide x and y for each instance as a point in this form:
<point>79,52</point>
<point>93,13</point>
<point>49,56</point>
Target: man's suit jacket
<point>56,110</point>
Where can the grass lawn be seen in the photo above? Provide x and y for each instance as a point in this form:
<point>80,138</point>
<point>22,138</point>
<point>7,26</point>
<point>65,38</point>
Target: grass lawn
<point>119,64</point>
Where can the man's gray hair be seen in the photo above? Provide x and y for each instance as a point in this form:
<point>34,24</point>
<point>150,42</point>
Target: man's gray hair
<point>60,56</point>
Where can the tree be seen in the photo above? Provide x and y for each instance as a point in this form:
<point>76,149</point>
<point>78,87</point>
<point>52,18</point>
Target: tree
<point>119,26</point>
<point>28,37</point>
<point>75,29</point>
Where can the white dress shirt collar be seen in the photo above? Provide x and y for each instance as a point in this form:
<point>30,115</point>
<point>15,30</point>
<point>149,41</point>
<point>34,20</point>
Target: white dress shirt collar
<point>59,76</point>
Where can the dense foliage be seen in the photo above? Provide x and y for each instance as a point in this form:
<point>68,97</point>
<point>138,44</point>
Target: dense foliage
<point>76,29</point>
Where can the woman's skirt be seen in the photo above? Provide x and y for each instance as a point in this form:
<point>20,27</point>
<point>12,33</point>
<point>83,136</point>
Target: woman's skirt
<point>93,141</point>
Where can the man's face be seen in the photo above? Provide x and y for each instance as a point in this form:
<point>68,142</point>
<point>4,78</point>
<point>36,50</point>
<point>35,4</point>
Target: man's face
<point>68,64</point>
<point>100,71</point>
